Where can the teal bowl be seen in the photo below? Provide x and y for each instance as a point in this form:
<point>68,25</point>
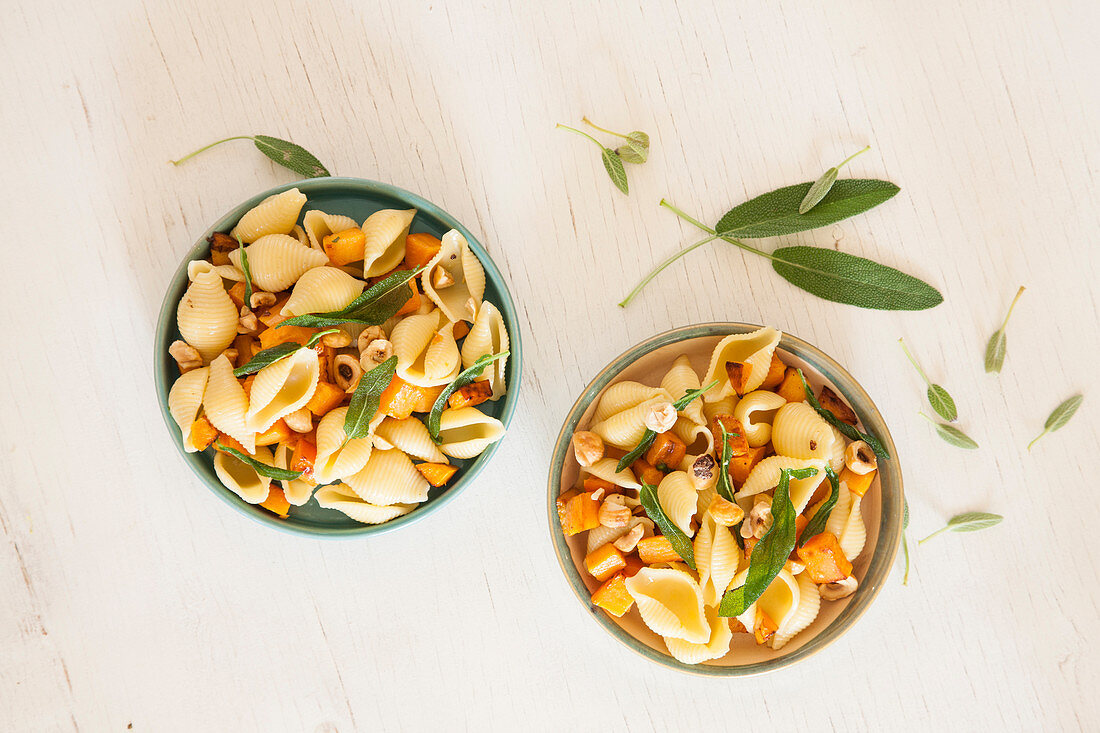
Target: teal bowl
<point>357,198</point>
<point>882,506</point>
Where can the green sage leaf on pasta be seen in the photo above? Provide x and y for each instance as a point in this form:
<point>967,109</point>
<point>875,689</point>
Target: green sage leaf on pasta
<point>467,376</point>
<point>374,306</point>
<point>680,542</point>
<point>266,358</point>
<point>279,474</point>
<point>364,403</point>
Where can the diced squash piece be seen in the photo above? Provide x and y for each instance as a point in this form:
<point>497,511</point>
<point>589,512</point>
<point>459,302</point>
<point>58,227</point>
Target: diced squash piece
<point>831,401</point>
<point>276,502</point>
<point>776,371</point>
<point>737,627</point>
<point>461,329</point>
<point>667,451</point>
<point>656,549</point>
<point>613,596</point>
<point>735,432</point>
<point>750,543</point>
<point>595,483</point>
<point>326,397</point>
<point>472,394</point>
<point>420,248</point>
<point>246,346</point>
<point>345,247</point>
<point>790,388</point>
<point>401,399</point>
<point>646,472</point>
<point>284,335</point>
<point>273,315</point>
<point>413,303</point>
<point>738,373</point>
<point>436,474</point>
<point>765,627</point>
<point>203,434</point>
<point>237,293</point>
<point>227,441</point>
<point>246,384</point>
<point>427,398</point>
<point>858,483</point>
<point>277,433</point>
<point>604,561</point>
<point>580,514</point>
<point>305,455</point>
<point>825,561</point>
<point>800,523</point>
<point>326,356</point>
<point>633,565</point>
<point>562,500</point>
<point>741,466</point>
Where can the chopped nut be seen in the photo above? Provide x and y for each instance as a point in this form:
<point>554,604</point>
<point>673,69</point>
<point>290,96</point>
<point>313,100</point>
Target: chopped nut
<point>300,421</point>
<point>442,279</point>
<point>725,512</point>
<point>187,356</point>
<point>337,340</point>
<point>859,458</point>
<point>370,333</point>
<point>249,323</point>
<point>704,472</point>
<point>759,520</point>
<point>629,541</point>
<point>838,590</point>
<point>346,372</point>
<point>232,355</point>
<point>613,512</point>
<point>587,447</point>
<point>597,494</point>
<point>661,417</point>
<point>377,351</point>
<point>260,299</point>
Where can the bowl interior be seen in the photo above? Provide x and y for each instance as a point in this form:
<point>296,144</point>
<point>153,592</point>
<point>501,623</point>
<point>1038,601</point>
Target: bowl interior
<point>882,506</point>
<point>357,198</point>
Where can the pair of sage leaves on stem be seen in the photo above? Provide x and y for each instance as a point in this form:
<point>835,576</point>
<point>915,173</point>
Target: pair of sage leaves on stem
<point>635,150</point>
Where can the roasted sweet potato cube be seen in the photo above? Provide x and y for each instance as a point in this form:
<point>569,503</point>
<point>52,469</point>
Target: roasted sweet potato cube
<point>739,373</point>
<point>741,466</point>
<point>646,472</point>
<point>305,455</point>
<point>776,371</point>
<point>222,242</point>
<point>246,384</point>
<point>605,561</point>
<point>401,399</point>
<point>284,335</point>
<point>203,434</point>
<point>765,627</point>
<point>735,432</point>
<point>580,514</point>
<point>345,247</point>
<point>667,451</point>
<point>246,346</point>
<point>831,401</point>
<point>633,565</point>
<point>825,561</point>
<point>273,315</point>
<point>656,549</point>
<point>857,483</point>
<point>413,303</point>
<point>595,483</point>
<point>426,397</point>
<point>276,502</point>
<point>562,500</point>
<point>237,293</point>
<point>326,397</point>
<point>436,474</point>
<point>790,388</point>
<point>277,433</point>
<point>472,394</point>
<point>613,596</point>
<point>420,248</point>
<point>224,440</point>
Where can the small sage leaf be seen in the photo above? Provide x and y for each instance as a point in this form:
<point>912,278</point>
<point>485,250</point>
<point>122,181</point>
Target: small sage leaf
<point>613,164</point>
<point>364,403</point>
<point>818,190</point>
<point>279,474</point>
<point>676,537</point>
<point>817,522</point>
<point>847,430</point>
<point>266,358</point>
<point>844,278</point>
<point>952,435</point>
<point>632,153</point>
<point>319,335</point>
<point>467,376</point>
<point>246,271</point>
<point>967,522</point>
<point>776,213</point>
<point>291,156</point>
<point>1061,415</point>
<point>995,352</point>
<point>942,402</point>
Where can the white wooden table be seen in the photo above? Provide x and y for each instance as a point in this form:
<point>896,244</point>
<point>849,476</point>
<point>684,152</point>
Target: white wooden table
<point>129,595</point>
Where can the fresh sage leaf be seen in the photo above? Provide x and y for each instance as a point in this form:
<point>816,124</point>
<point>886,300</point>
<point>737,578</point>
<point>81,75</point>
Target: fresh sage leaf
<point>266,358</point>
<point>938,397</point>
<point>636,149</point>
<point>632,153</point>
<point>847,430</point>
<point>318,336</point>
<point>676,537</point>
<point>279,474</point>
<point>374,306</point>
<point>771,552</point>
<point>285,153</point>
<point>816,525</point>
<point>952,435</point>
<point>776,213</point>
<point>968,522</point>
<point>1061,415</point>
<point>998,342</point>
<point>613,164</point>
<point>904,540</point>
<point>364,403</point>
<point>724,486</point>
<point>247,272</point>
<point>691,395</point>
<point>824,184</point>
<point>467,376</point>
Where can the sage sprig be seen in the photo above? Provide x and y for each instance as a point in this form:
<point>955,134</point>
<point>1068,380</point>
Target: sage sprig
<point>636,149</point>
<point>817,522</point>
<point>364,402</point>
<point>279,474</point>
<point>246,270</point>
<point>649,436</point>
<point>849,432</point>
<point>938,397</point>
<point>1061,415</point>
<point>676,537</point>
<point>770,554</point>
<point>998,342</point>
<point>952,435</point>
<point>374,306</point>
<point>612,162</point>
<point>285,153</point>
<point>467,376</point>
<point>724,487</point>
<point>824,184</point>
<point>968,522</point>
<point>266,358</point>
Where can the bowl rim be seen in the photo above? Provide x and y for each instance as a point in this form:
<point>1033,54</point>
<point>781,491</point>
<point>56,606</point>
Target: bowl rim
<point>883,558</point>
<point>165,324</point>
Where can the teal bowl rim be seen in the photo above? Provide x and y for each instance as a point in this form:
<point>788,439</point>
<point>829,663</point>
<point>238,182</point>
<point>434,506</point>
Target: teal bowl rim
<point>165,327</point>
<point>890,519</point>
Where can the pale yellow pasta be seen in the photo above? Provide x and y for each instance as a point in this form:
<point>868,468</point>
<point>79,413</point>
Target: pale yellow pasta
<point>241,478</point>
<point>678,381</point>
<point>809,604</point>
<point>836,452</point>
<point>467,432</point>
<point>185,401</point>
<point>723,406</point>
<point>388,477</point>
<point>297,491</point>
<point>755,412</point>
<point>670,603</point>
<point>838,518</point>
<point>277,214</point>
<point>853,535</point>
<point>706,496</point>
<point>717,646</point>
<point>226,403</point>
<point>226,272</point>
<point>696,437</point>
<point>765,477</point>
<point>410,436</point>
<point>321,290</point>
<point>385,233</point>
<point>338,456</point>
<point>206,316</point>
<point>276,261</point>
<point>624,395</point>
<point>779,601</point>
<point>419,345</point>
<point>678,500</point>
<point>461,299</point>
<point>601,535</point>
<point>605,469</point>
<point>442,360</point>
<point>342,499</point>
<point>799,432</point>
<point>625,429</point>
<point>754,349</point>
<point>487,336</point>
<point>300,234</point>
<point>318,225</point>
<point>716,558</point>
<point>281,388</point>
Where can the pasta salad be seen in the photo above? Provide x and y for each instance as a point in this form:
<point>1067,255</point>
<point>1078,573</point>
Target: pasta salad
<point>723,503</point>
<point>336,360</point>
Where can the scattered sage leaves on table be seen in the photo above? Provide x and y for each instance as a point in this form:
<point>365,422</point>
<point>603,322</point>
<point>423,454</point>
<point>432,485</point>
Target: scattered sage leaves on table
<point>636,150</point>
<point>676,537</point>
<point>279,474</point>
<point>771,552</point>
<point>824,184</point>
<point>816,525</point>
<point>968,522</point>
<point>266,358</point>
<point>850,432</point>
<point>467,376</point>
<point>1061,415</point>
<point>285,153</point>
<point>364,403</point>
<point>905,540</point>
<point>649,436</point>
<point>246,270</point>
<point>998,342</point>
<point>374,306</point>
<point>952,435</point>
<point>938,397</point>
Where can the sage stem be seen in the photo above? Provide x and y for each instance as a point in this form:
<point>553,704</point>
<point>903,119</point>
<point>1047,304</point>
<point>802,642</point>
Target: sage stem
<point>207,147</point>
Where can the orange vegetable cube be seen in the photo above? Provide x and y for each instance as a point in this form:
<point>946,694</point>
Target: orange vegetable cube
<point>735,433</point>
<point>461,329</point>
<point>345,247</point>
<point>741,466</point>
<point>633,565</point>
<point>326,397</point>
<point>305,454</point>
<point>436,474</point>
<point>246,384</point>
<point>831,401</point>
<point>427,397</point>
<point>594,483</point>
<point>472,394</point>
<point>605,561</point>
<point>562,500</point>
<point>284,335</point>
<point>420,248</point>
<point>272,315</point>
<point>229,442</point>
<point>203,434</point>
<point>613,596</point>
<point>646,473</point>
<point>656,549</point>
<point>765,627</point>
<point>237,293</point>
<point>667,450</point>
<point>580,514</point>
<point>413,303</point>
<point>401,399</point>
<point>825,561</point>
<point>857,483</point>
<point>277,433</point>
<point>776,371</point>
<point>276,502</point>
<point>246,347</point>
<point>790,388</point>
<point>738,373</point>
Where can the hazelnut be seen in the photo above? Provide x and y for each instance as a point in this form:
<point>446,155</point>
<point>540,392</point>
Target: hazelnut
<point>704,472</point>
<point>840,589</point>
<point>337,340</point>
<point>346,372</point>
<point>859,458</point>
<point>442,279</point>
<point>759,520</point>
<point>248,323</point>
<point>629,541</point>
<point>377,351</point>
<point>368,334</point>
<point>660,417</point>
<point>260,299</point>
<point>613,512</point>
<point>187,356</point>
<point>587,447</point>
<point>300,421</point>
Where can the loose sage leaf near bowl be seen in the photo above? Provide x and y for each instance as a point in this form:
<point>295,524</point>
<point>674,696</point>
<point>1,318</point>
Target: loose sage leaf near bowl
<point>357,198</point>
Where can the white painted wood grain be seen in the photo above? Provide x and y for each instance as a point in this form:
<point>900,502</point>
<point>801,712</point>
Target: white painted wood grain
<point>129,595</point>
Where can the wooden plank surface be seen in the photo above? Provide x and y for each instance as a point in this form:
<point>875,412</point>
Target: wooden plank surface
<point>130,596</point>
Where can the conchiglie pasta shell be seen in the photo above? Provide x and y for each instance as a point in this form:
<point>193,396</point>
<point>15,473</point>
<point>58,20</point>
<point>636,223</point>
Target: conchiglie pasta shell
<point>696,437</point>
<point>625,429</point>
<point>678,381</point>
<point>678,499</point>
<point>226,403</point>
<point>488,336</point>
<point>300,234</point>
<point>343,500</point>
<point>836,452</point>
<point>670,603</point>
<point>716,647</point>
<point>781,599</point>
<point>297,491</point>
<point>411,338</point>
<point>281,388</point>
<point>276,261</point>
<point>717,557</point>
<point>461,300</point>
<point>337,456</point>
<point>753,348</point>
<point>226,272</point>
<point>385,233</point>
<point>184,402</point>
<point>854,534</point>
<point>466,432</point>
<point>318,225</point>
<point>206,316</point>
<point>809,604</point>
<point>410,436</point>
<point>241,478</point>
<point>605,469</point>
<point>765,477</point>
<point>755,412</point>
<point>624,395</point>
<point>838,518</point>
<point>724,406</point>
<point>799,432</point>
<point>442,361</point>
<point>389,477</point>
<point>277,214</point>
<point>601,535</point>
<point>321,290</point>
